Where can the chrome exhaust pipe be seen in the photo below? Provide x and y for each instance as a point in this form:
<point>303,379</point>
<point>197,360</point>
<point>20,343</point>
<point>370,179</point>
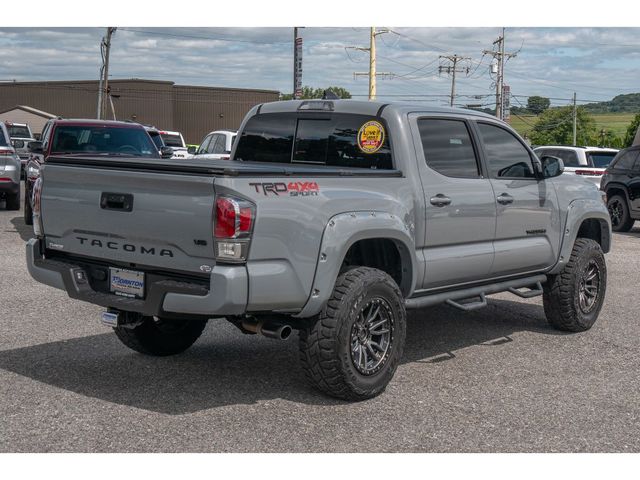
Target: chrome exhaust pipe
<point>268,328</point>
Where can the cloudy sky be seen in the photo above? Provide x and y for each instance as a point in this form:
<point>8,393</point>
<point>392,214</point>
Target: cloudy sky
<point>597,63</point>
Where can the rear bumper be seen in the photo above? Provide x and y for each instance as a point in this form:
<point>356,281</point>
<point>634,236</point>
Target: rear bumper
<point>226,293</point>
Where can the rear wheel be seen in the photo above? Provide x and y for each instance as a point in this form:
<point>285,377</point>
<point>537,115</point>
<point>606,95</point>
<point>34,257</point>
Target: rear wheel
<point>353,348</point>
<point>161,337</point>
<point>28,213</point>
<point>621,220</point>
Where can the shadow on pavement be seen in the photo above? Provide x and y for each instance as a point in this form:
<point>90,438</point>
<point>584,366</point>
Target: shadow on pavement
<point>25,231</point>
<point>227,368</point>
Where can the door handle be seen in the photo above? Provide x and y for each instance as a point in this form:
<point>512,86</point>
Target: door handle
<point>504,199</point>
<point>440,200</point>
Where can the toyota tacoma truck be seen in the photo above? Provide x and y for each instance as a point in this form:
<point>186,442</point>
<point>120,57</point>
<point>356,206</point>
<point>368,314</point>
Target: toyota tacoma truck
<point>333,218</point>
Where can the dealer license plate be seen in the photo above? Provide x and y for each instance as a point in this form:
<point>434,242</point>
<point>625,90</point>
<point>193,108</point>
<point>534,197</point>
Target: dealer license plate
<point>126,283</point>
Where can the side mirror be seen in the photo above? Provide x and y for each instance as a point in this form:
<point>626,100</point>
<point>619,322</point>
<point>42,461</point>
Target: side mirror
<point>191,150</point>
<point>17,143</point>
<point>166,152</point>
<point>35,147</point>
<point>551,166</point>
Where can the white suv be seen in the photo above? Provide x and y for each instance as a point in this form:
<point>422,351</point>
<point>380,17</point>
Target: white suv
<point>216,145</point>
<point>587,162</point>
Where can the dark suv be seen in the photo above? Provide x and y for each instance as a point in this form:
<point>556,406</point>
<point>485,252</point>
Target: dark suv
<point>621,182</point>
<point>84,137</point>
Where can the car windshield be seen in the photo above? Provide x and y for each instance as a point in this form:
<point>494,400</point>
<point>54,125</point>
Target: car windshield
<point>3,140</point>
<point>18,131</point>
<point>157,139</point>
<point>600,159</point>
<point>103,139</point>
<point>172,140</point>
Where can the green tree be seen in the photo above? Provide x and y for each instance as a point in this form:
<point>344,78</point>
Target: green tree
<point>555,127</point>
<point>309,92</point>
<point>631,132</point>
<point>537,104</point>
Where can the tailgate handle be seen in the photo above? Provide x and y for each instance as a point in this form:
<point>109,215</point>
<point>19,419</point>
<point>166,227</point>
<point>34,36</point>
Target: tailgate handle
<point>116,201</point>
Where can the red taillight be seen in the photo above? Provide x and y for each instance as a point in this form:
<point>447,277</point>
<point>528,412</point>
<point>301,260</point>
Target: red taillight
<point>234,218</point>
<point>233,224</point>
<point>596,173</point>
<point>5,179</point>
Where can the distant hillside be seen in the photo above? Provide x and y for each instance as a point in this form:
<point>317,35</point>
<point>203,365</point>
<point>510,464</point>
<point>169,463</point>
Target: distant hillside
<point>628,103</point>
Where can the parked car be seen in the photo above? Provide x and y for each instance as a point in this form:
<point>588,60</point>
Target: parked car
<point>21,135</point>
<point>9,171</point>
<point>333,219</point>
<point>103,138</point>
<point>586,162</point>
<point>621,183</point>
<point>216,145</point>
<point>173,140</point>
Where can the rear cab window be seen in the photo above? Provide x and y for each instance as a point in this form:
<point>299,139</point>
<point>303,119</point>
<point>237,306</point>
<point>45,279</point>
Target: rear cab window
<point>19,131</point>
<point>172,139</point>
<point>336,140</point>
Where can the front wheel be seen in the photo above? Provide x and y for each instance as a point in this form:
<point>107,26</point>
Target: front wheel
<point>573,298</point>
<point>355,345</point>
<point>621,220</point>
<point>160,336</point>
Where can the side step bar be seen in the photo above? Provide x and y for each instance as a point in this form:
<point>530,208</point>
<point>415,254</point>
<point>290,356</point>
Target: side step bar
<point>477,294</point>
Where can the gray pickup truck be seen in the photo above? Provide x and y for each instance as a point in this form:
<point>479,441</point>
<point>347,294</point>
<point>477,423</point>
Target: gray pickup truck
<point>333,218</point>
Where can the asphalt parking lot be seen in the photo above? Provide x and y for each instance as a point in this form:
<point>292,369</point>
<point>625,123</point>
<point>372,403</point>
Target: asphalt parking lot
<point>495,380</point>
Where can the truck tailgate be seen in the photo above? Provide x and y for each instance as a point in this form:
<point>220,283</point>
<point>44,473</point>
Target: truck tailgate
<point>138,218</point>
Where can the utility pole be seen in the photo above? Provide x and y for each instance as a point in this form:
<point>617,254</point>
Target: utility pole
<point>499,54</point>
<point>373,74</point>
<point>105,47</point>
<point>297,64</point>
<point>454,59</point>
<point>575,120</point>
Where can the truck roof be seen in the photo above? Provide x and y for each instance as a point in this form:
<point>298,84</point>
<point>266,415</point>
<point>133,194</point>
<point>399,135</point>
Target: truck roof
<point>93,121</point>
<point>363,107</point>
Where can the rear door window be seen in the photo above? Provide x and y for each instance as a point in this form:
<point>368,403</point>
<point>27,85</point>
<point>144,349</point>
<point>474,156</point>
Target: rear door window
<point>600,159</point>
<point>447,147</point>
<point>569,157</point>
<point>338,140</point>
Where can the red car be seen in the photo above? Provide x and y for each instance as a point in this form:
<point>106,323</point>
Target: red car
<point>88,138</point>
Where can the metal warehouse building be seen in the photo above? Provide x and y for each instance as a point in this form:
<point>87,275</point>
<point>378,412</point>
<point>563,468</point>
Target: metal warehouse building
<point>192,110</point>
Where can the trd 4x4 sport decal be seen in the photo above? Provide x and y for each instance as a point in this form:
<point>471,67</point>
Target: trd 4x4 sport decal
<point>293,189</point>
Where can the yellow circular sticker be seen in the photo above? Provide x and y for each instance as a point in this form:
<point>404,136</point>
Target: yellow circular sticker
<point>371,137</point>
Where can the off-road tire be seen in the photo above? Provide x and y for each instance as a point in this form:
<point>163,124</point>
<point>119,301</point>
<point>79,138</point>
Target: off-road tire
<point>28,213</point>
<point>161,337</point>
<point>625,222</point>
<point>325,346</point>
<point>13,201</point>
<point>561,297</point>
